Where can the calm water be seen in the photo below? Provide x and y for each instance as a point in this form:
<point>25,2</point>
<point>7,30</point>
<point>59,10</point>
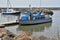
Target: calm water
<point>50,30</point>
<point>7,18</point>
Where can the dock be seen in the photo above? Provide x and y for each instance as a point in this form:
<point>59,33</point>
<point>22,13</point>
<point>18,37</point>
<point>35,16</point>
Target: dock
<point>8,23</point>
<point>2,26</point>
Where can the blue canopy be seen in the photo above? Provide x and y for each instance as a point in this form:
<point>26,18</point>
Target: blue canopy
<point>38,14</point>
<point>24,18</point>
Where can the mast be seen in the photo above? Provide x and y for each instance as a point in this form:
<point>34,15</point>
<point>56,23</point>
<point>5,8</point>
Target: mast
<point>8,4</point>
<point>40,4</point>
<point>30,9</point>
<point>30,5</point>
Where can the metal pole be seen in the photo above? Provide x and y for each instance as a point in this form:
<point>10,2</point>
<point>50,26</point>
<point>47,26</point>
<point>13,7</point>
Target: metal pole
<point>30,5</point>
<point>8,4</point>
<point>40,4</point>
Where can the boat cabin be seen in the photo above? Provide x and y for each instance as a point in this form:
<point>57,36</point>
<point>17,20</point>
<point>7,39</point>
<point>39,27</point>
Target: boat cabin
<point>28,15</point>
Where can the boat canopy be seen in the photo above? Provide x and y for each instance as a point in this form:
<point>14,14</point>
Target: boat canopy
<point>38,14</point>
<point>28,14</point>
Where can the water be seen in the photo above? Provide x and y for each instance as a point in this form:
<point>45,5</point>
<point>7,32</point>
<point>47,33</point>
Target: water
<point>7,18</point>
<point>49,30</point>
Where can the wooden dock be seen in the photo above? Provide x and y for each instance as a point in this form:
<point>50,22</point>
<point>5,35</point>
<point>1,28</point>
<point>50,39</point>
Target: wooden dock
<point>2,26</point>
<point>8,23</point>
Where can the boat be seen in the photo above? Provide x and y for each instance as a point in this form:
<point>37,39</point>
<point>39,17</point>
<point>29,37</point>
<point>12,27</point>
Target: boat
<point>28,18</point>
<point>9,11</point>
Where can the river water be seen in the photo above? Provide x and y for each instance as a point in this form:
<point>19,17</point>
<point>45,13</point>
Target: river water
<point>50,30</point>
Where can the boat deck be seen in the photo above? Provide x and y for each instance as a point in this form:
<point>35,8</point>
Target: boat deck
<point>44,20</point>
<point>8,23</point>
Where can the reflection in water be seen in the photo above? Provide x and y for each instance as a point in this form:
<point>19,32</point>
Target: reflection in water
<point>34,28</point>
<point>46,38</point>
<point>6,18</point>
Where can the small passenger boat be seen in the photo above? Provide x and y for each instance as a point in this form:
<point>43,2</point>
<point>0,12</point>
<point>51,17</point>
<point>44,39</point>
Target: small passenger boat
<point>30,18</point>
<point>10,12</point>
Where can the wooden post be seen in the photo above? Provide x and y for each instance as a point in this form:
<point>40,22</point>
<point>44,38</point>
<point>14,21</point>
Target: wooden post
<point>18,18</point>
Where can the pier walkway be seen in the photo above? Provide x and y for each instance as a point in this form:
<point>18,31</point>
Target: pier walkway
<point>8,23</point>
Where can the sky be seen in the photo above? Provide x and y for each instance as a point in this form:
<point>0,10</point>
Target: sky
<point>34,3</point>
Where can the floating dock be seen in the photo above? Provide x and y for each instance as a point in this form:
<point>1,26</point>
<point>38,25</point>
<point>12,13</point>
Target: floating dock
<point>8,23</point>
<point>2,26</point>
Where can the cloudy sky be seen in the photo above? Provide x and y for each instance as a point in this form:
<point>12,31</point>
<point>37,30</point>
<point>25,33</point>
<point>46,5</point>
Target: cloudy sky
<point>34,3</point>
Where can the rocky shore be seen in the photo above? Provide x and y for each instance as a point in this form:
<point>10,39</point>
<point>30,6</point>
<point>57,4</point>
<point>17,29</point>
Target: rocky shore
<point>6,35</point>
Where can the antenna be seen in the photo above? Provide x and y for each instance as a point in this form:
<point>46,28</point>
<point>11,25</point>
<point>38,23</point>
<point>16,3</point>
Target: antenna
<point>30,5</point>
